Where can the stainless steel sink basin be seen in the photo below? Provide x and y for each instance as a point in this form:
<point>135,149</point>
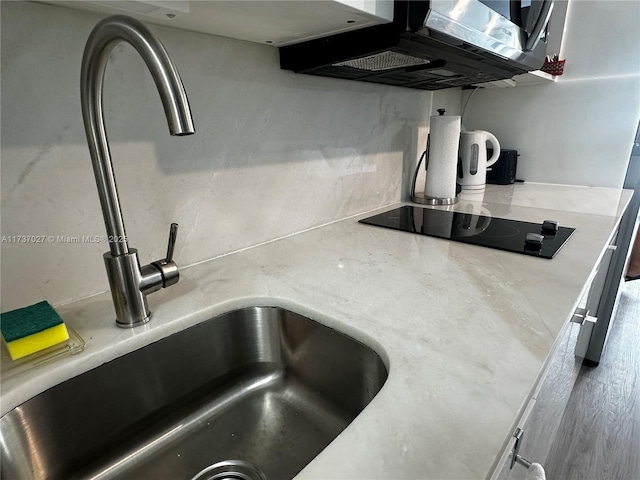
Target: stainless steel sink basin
<point>252,394</point>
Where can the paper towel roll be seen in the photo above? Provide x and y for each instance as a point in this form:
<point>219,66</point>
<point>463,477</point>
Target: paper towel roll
<point>444,138</point>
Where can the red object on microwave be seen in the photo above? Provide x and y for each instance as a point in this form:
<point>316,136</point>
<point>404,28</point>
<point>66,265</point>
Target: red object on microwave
<point>555,67</point>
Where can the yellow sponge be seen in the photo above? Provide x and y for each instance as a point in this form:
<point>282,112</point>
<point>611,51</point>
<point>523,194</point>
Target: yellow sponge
<point>31,329</point>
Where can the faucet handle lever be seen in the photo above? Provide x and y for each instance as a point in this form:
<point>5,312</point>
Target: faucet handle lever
<point>173,233</point>
<point>162,273</point>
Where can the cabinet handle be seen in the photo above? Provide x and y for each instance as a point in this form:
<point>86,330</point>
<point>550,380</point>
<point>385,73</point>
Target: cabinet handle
<point>515,458</point>
<point>581,316</point>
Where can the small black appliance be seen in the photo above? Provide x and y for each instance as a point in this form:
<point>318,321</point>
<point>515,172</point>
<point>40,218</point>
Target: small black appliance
<point>503,172</point>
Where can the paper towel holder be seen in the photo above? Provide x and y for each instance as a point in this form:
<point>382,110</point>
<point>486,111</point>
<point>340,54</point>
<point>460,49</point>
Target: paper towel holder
<point>421,197</point>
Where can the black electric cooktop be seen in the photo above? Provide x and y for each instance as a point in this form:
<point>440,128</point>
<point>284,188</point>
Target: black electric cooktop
<point>501,233</point>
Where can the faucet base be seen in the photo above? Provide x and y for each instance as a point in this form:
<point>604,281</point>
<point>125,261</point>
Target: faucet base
<point>131,325</point>
<point>124,276</point>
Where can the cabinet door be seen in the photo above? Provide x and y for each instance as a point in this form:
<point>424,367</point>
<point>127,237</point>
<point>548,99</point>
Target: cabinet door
<point>541,419</point>
<point>592,306</point>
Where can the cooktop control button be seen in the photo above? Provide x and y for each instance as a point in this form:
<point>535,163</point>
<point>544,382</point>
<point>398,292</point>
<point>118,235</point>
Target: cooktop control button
<point>533,240</point>
<point>550,226</point>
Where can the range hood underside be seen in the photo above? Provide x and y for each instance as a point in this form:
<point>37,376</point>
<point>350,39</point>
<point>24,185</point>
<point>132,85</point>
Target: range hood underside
<point>432,63</point>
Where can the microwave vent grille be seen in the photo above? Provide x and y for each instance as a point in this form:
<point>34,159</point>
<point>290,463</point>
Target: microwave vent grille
<point>383,61</point>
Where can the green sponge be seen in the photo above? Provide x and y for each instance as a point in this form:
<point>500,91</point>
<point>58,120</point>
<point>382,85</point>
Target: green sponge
<point>31,329</point>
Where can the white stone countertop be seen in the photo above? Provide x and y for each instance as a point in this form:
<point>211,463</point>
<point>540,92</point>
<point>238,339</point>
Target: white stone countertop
<point>464,330</point>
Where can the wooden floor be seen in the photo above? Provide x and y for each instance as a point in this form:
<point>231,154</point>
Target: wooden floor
<point>599,437</point>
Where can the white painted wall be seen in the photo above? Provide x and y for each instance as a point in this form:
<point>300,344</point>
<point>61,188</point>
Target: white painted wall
<point>580,129</point>
<point>274,153</point>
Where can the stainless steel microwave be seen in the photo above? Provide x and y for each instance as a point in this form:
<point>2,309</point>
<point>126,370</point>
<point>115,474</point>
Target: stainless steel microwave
<point>434,44</point>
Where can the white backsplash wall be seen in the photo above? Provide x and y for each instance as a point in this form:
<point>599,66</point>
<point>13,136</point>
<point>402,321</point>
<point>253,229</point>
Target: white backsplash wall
<point>579,130</point>
<point>274,152</point>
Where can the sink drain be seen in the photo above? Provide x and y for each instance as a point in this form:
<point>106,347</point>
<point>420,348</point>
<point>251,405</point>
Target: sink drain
<point>231,470</point>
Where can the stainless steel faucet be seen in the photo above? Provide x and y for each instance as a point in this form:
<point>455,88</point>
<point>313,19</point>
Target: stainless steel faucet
<point>129,282</point>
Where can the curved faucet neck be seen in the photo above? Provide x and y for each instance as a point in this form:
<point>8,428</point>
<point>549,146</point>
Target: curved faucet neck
<point>102,39</point>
